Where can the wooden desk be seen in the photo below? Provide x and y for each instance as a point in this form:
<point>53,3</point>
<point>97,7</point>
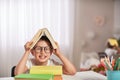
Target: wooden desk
<point>86,75</point>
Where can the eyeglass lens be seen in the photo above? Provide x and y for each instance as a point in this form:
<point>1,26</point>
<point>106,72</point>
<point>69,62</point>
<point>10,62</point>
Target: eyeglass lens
<point>47,49</point>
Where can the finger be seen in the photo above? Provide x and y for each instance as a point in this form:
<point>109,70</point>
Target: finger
<point>27,45</point>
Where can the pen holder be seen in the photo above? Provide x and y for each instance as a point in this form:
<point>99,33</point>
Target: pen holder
<point>113,75</point>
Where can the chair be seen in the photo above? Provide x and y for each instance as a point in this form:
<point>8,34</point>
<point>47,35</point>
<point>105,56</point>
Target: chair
<point>12,71</point>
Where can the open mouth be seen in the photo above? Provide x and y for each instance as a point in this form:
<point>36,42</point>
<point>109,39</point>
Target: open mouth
<point>42,57</point>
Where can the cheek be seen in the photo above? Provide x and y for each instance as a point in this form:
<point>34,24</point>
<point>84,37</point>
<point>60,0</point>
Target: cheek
<point>49,55</point>
<point>37,55</point>
<point>33,52</point>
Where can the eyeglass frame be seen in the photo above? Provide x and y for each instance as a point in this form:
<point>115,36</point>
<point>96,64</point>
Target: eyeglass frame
<point>43,48</point>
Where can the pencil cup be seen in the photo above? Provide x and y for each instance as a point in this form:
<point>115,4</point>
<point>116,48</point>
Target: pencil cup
<point>113,75</point>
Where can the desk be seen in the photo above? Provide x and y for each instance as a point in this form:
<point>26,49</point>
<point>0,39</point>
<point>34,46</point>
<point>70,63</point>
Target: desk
<point>86,75</point>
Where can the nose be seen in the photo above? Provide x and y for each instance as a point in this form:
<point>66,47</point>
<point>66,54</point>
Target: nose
<point>42,50</point>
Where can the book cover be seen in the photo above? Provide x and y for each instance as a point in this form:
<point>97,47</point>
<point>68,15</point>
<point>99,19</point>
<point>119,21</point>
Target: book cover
<point>57,77</point>
<point>34,77</point>
<point>54,70</point>
<point>47,33</point>
<point>39,34</point>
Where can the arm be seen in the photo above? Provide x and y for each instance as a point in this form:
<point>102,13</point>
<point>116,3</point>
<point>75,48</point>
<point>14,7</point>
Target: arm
<point>21,66</point>
<point>68,67</point>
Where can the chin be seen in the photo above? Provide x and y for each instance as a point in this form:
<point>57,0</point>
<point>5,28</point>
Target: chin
<point>43,60</point>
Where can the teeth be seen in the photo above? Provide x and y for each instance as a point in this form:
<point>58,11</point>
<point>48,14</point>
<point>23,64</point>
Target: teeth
<point>42,57</point>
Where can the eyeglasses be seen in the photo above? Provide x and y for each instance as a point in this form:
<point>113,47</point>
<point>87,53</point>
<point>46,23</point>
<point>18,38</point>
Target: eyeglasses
<point>47,49</point>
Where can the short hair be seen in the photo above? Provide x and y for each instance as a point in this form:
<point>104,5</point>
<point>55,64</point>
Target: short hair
<point>44,38</point>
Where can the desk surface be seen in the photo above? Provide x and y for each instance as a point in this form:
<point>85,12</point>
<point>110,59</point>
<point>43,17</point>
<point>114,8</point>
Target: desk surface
<point>86,75</point>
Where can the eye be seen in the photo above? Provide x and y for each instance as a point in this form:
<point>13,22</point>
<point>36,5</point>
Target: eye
<point>47,48</point>
<point>37,48</point>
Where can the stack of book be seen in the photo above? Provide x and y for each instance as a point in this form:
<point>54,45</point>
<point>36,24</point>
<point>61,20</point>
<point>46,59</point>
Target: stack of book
<point>56,71</point>
<point>42,73</point>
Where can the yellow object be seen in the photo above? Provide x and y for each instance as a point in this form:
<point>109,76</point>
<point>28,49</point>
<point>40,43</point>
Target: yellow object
<point>54,70</point>
<point>113,42</point>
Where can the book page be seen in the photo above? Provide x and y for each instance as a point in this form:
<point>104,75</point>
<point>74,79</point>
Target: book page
<point>36,38</point>
<point>39,34</point>
<point>47,33</point>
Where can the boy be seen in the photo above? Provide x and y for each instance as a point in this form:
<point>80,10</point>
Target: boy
<point>42,52</point>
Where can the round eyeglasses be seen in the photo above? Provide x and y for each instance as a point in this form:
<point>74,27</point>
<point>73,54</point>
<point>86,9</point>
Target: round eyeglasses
<point>39,49</point>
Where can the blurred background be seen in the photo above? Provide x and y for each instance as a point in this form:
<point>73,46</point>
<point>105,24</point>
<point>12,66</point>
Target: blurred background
<point>79,26</point>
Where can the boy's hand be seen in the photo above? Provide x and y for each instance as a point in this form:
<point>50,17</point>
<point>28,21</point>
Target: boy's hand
<point>27,46</point>
<point>56,51</point>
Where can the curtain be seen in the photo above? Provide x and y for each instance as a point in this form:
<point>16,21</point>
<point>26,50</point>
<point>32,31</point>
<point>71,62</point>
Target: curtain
<point>21,19</point>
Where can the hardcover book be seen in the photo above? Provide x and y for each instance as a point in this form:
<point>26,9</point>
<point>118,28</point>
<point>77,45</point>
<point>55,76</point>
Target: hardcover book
<point>54,70</point>
<point>39,34</point>
<point>58,77</point>
<point>34,77</point>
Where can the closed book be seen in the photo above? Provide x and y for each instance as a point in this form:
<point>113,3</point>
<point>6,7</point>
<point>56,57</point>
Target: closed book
<point>34,77</point>
<point>57,77</point>
<point>54,70</point>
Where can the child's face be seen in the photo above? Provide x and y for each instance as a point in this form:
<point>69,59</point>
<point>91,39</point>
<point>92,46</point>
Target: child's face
<point>42,51</point>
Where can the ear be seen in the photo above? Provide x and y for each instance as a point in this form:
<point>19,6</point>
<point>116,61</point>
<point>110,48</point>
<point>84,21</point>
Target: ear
<point>51,52</point>
<point>32,52</point>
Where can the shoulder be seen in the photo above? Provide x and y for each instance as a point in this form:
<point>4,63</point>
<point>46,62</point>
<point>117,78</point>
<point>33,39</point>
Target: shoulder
<point>30,63</point>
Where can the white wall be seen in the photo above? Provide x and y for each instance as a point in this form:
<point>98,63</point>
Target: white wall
<point>88,36</point>
<point>21,19</point>
<point>117,18</point>
<point>92,36</point>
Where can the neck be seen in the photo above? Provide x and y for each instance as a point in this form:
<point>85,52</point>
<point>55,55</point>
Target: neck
<point>40,63</point>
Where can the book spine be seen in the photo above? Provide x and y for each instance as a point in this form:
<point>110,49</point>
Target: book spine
<point>53,72</point>
<point>57,77</point>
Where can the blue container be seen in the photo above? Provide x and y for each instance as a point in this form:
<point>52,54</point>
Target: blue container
<point>113,75</point>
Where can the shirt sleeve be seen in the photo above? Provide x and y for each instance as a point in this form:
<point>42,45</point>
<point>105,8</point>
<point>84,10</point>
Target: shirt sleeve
<point>53,62</point>
<point>29,63</point>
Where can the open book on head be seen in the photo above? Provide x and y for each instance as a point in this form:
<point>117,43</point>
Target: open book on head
<point>39,34</point>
